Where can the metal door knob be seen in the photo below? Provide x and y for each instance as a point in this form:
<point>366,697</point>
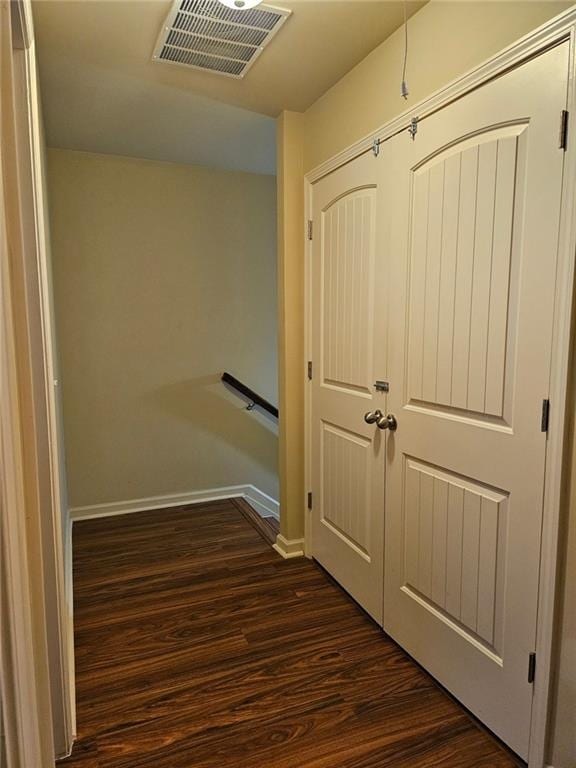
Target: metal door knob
<point>372,417</point>
<point>381,421</point>
<point>388,422</point>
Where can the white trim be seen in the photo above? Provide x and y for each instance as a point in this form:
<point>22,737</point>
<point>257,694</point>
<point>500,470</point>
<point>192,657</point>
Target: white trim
<point>18,684</point>
<point>555,31</point>
<point>308,253</point>
<point>65,717</point>
<point>554,501</point>
<point>27,734</point>
<point>289,548</point>
<point>265,505</point>
<point>69,593</point>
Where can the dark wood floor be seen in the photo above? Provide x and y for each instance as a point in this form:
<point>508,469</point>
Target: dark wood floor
<point>197,646</point>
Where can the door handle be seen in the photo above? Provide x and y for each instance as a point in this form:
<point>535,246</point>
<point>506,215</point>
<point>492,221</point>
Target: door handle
<point>381,421</point>
<point>373,416</point>
<point>388,422</point>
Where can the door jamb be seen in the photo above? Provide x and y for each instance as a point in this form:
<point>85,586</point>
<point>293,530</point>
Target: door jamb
<point>308,255</point>
<point>60,528</point>
<point>26,709</point>
<point>559,29</point>
<point>30,717</point>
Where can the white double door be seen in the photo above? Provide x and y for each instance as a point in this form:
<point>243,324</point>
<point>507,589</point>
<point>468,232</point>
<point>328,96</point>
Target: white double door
<point>434,270</point>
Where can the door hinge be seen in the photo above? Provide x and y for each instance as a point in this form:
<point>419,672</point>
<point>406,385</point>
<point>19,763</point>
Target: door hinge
<point>545,415</point>
<point>310,370</point>
<point>309,499</point>
<point>531,667</point>
<point>413,127</point>
<point>310,229</point>
<point>563,139</point>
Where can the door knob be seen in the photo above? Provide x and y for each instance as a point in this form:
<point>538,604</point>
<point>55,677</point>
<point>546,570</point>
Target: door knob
<point>388,422</point>
<point>372,417</point>
<point>381,421</point>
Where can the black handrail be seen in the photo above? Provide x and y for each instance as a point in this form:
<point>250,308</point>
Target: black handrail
<point>254,397</point>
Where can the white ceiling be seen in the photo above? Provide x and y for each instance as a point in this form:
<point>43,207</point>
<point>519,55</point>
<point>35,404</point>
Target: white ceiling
<point>102,92</point>
<point>119,114</point>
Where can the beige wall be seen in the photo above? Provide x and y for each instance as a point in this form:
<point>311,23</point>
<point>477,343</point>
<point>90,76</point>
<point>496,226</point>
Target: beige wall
<point>164,276</point>
<point>291,321</point>
<point>446,40</point>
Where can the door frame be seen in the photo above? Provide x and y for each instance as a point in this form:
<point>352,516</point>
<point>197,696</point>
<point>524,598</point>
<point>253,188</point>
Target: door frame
<point>560,29</point>
<point>37,649</point>
<point>57,543</point>
<point>24,694</point>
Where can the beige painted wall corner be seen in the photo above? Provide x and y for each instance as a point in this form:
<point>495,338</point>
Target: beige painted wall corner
<point>290,196</point>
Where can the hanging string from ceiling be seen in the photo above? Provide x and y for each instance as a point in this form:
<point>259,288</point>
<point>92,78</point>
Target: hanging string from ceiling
<point>404,87</point>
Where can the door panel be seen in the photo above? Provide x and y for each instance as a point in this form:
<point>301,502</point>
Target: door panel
<point>462,222</point>
<point>474,206</point>
<point>454,536</point>
<point>345,473</point>
<point>347,262</point>
<point>348,454</point>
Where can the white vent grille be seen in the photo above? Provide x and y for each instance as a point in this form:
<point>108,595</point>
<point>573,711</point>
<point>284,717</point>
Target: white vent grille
<point>204,34</point>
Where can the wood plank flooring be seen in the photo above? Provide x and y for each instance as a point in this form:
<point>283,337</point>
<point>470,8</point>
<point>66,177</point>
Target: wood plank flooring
<point>267,527</point>
<point>197,646</point>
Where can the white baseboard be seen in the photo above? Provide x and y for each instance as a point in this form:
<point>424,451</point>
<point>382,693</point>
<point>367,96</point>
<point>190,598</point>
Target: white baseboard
<point>289,548</point>
<point>69,594</point>
<point>265,505</point>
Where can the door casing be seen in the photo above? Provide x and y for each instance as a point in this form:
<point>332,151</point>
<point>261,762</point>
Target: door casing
<point>557,30</point>
<point>29,417</point>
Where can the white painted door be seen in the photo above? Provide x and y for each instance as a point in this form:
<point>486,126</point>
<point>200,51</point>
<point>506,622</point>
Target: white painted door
<point>474,202</point>
<point>347,453</point>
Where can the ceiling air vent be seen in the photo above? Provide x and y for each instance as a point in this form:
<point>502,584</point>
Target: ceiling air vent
<point>204,34</point>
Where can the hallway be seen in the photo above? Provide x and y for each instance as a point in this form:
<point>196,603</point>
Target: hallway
<point>197,646</point>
